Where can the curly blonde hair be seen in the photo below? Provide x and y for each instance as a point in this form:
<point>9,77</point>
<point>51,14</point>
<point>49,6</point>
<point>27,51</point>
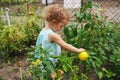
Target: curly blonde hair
<point>55,13</point>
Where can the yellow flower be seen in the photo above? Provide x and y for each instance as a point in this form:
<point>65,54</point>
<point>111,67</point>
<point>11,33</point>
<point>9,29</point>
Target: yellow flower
<point>60,72</point>
<point>101,10</point>
<point>38,62</point>
<point>32,63</point>
<point>31,13</point>
<point>19,64</point>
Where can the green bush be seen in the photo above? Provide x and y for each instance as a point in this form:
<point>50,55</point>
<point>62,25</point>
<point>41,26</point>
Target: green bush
<point>98,36</point>
<point>14,39</point>
<point>63,69</point>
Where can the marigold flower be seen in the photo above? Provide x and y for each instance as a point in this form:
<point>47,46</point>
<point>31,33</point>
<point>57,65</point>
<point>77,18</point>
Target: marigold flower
<point>32,63</point>
<point>60,72</point>
<point>101,10</point>
<point>19,64</point>
<point>38,62</point>
<point>31,13</point>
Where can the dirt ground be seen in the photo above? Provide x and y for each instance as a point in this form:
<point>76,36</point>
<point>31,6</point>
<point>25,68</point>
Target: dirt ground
<point>10,71</point>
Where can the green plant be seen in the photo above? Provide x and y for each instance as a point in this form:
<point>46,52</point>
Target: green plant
<point>115,61</point>
<point>63,68</point>
<point>98,36</point>
<point>44,68</point>
<point>16,38</point>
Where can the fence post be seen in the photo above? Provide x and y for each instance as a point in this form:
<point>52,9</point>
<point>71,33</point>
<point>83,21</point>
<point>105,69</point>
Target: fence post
<point>7,15</point>
<point>81,2</point>
<point>46,2</point>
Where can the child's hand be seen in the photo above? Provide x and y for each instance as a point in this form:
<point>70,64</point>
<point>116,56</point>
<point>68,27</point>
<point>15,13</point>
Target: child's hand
<point>81,50</point>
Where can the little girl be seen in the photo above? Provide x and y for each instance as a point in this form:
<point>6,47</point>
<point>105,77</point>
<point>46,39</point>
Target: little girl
<point>56,17</point>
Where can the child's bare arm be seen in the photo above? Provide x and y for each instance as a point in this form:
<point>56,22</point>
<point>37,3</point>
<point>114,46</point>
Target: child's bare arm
<point>56,38</point>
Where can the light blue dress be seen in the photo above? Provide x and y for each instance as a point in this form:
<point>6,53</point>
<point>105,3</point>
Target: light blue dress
<point>43,40</point>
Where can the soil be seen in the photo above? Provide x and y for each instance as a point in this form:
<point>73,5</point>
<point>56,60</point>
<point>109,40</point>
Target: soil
<point>10,71</point>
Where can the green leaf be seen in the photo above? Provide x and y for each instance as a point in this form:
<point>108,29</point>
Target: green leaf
<point>65,68</point>
<point>88,16</point>
<point>118,60</point>
<point>86,27</point>
<point>100,75</point>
